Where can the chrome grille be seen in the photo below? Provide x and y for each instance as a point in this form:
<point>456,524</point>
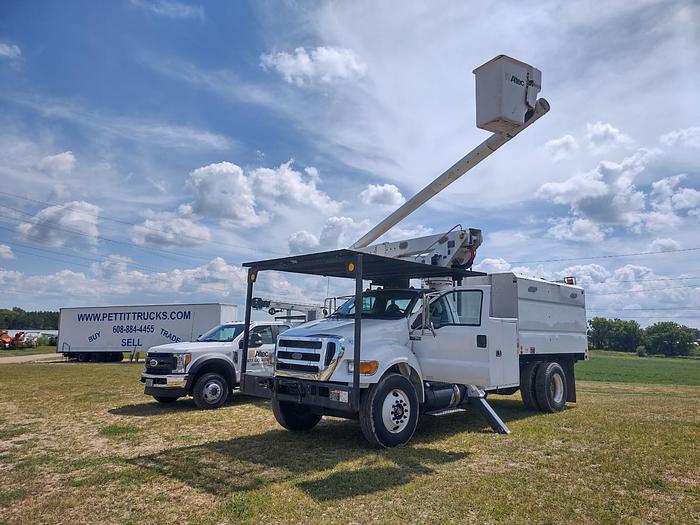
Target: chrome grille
<point>306,356</point>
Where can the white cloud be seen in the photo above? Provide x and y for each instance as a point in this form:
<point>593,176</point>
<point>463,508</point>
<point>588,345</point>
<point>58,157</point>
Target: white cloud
<point>303,242</point>
<point>6,252</point>
<point>59,163</point>
<point>607,194</point>
<point>602,136</point>
<point>382,194</point>
<point>686,198</point>
<point>665,244</point>
<point>688,137</point>
<point>492,265</point>
<point>56,225</point>
<point>170,231</point>
<point>561,148</point>
<point>9,51</point>
<point>285,185</point>
<point>223,191</point>
<point>321,64</point>
<point>573,229</point>
<point>170,8</point>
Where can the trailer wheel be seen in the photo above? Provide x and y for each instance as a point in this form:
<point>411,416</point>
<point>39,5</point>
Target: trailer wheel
<point>550,387</point>
<point>293,416</point>
<point>389,412</point>
<point>164,399</point>
<point>210,391</point>
<point>527,385</point>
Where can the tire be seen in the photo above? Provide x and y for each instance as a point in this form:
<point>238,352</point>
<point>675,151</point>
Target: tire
<point>293,416</point>
<point>389,412</point>
<point>527,385</point>
<point>550,387</point>
<point>210,391</point>
<point>163,399</point>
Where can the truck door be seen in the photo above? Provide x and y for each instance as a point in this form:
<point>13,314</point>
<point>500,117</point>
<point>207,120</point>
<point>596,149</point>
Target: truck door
<point>260,358</point>
<point>458,353</point>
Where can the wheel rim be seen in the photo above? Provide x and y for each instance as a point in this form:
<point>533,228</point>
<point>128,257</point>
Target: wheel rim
<point>396,411</point>
<point>212,391</point>
<point>557,384</point>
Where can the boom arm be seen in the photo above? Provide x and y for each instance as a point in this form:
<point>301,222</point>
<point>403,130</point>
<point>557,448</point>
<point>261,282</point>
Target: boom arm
<point>462,166</point>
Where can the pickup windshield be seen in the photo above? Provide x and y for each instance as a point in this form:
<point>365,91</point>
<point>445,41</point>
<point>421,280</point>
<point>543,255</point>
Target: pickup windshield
<point>224,333</point>
<point>381,304</point>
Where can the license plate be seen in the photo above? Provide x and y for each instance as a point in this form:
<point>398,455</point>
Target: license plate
<point>338,395</point>
<point>149,382</point>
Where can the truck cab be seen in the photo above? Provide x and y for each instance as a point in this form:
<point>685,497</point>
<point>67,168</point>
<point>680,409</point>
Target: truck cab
<point>208,369</point>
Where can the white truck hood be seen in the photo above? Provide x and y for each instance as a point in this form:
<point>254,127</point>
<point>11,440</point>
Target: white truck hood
<point>194,346</point>
<point>372,329</point>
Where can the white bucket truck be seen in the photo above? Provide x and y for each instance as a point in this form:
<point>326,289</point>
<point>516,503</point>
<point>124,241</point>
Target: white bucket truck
<point>447,343</point>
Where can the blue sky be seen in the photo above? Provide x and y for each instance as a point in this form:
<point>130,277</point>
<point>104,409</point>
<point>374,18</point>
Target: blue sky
<point>148,148</point>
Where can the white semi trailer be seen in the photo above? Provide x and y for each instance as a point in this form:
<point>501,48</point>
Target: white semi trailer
<point>393,351</point>
<point>104,333</point>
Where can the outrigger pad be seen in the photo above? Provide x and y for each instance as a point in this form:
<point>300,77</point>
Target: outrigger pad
<point>489,413</point>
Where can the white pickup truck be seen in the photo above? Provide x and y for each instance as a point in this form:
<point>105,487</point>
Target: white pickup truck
<point>208,369</point>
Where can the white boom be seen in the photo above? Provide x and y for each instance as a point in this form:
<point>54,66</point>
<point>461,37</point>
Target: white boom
<point>461,167</point>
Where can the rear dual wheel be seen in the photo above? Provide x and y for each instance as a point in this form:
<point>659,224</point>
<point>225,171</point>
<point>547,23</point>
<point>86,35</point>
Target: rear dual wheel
<point>543,386</point>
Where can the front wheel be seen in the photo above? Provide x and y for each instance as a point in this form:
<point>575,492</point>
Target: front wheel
<point>293,416</point>
<point>389,412</point>
<point>210,391</point>
<point>164,399</point>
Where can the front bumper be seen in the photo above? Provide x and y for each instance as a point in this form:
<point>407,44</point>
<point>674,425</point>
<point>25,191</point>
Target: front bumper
<point>165,384</point>
<point>326,395</point>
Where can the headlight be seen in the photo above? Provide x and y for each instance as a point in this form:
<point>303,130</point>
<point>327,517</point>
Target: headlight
<point>367,368</point>
<point>181,362</point>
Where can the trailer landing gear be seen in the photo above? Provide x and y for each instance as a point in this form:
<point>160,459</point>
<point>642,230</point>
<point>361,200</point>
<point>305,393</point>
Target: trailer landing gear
<point>477,397</point>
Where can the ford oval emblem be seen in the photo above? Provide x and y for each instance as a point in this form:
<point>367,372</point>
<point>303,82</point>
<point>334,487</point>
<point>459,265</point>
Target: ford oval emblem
<point>153,362</point>
<point>297,355</point>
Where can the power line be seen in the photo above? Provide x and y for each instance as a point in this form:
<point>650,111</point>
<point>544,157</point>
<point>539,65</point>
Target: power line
<point>611,256</point>
<point>644,290</point>
<point>121,221</point>
<point>639,309</point>
<point>155,251</point>
<point>96,258</point>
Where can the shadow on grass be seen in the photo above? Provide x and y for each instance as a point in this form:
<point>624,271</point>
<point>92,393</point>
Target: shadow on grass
<point>250,462</point>
<point>309,459</point>
<point>181,405</point>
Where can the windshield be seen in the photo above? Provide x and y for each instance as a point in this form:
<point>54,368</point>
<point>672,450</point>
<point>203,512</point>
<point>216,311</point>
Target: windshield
<point>224,333</point>
<point>381,304</point>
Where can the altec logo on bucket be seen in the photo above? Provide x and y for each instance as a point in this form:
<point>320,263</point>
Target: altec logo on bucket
<point>516,80</point>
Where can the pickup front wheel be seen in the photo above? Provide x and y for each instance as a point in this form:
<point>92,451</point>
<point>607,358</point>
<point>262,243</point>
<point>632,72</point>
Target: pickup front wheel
<point>389,412</point>
<point>210,391</point>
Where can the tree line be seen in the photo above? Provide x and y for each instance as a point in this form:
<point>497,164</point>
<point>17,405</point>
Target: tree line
<point>18,319</point>
<point>663,338</point>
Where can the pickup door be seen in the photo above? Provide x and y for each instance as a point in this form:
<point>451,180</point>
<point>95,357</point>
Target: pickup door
<point>459,351</point>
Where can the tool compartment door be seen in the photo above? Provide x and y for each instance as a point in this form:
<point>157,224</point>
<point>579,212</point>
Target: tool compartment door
<point>503,352</point>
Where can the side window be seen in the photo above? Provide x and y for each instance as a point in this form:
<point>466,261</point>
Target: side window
<point>266,333</point>
<point>465,306</point>
<point>440,312</point>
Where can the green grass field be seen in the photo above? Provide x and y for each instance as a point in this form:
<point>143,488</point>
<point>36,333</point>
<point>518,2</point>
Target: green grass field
<point>28,351</point>
<point>628,368</point>
<point>79,443</point>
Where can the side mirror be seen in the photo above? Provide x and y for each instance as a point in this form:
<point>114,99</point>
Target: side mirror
<point>254,341</point>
